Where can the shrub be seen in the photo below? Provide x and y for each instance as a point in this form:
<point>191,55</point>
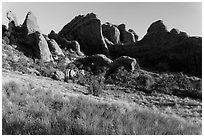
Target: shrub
<point>135,80</point>
<point>96,85</point>
<point>50,113</point>
<point>45,68</point>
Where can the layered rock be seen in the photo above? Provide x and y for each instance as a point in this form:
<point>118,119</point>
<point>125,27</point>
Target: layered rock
<point>162,50</point>
<point>31,39</point>
<point>126,36</point>
<point>54,47</point>
<point>65,44</point>
<point>111,32</point>
<point>87,31</point>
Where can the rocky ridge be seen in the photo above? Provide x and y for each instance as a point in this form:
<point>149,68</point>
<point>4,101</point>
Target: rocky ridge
<point>91,54</point>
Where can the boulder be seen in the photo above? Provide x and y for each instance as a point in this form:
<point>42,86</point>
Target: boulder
<point>58,75</point>
<point>69,74</point>
<point>126,36</point>
<point>63,62</point>
<point>127,62</point>
<point>88,32</point>
<point>130,64</point>
<point>33,71</point>
<point>65,44</point>
<point>111,32</point>
<point>95,62</point>
<point>162,50</point>
<point>71,71</point>
<point>54,47</point>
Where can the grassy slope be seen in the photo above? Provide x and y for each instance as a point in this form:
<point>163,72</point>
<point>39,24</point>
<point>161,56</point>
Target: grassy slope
<point>32,110</point>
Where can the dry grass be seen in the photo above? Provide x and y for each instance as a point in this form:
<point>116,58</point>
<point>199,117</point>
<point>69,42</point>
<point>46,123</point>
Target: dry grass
<point>27,110</point>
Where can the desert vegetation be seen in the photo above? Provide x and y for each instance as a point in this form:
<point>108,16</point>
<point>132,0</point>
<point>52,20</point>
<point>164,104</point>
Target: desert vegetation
<point>39,112</point>
<point>97,79</point>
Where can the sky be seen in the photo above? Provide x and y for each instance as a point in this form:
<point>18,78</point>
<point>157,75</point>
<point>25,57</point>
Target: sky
<point>185,16</point>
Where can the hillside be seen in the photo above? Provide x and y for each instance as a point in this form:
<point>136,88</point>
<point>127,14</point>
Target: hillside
<point>93,78</point>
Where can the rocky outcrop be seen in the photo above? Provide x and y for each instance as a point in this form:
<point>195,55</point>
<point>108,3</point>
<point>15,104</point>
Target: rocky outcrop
<point>87,31</point>
<point>70,74</point>
<point>30,24</point>
<point>162,50</point>
<point>54,47</point>
<point>12,17</point>
<point>134,33</point>
<point>125,61</point>
<point>157,27</point>
<point>5,34</point>
<point>111,32</point>
<point>130,64</point>
<point>179,33</point>
<point>65,44</point>
<point>94,62</point>
<point>39,46</point>
<point>31,40</point>
<point>4,30</point>
<point>12,27</point>
<point>126,36</point>
<point>58,75</point>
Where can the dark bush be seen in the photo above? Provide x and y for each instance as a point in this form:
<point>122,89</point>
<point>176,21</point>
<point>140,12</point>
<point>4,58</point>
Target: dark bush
<point>96,85</point>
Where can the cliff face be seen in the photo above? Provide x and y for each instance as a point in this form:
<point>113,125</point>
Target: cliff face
<point>87,31</point>
<point>162,50</point>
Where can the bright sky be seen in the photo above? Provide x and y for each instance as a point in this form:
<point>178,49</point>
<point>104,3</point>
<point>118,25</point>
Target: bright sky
<point>136,15</point>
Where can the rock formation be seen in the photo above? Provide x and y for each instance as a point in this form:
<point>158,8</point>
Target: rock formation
<point>126,36</point>
<point>65,44</point>
<point>134,33</point>
<point>30,23</point>
<point>159,49</point>
<point>58,75</point>
<point>93,62</point>
<point>111,32</point>
<point>87,31</point>
<point>33,40</point>
<point>12,17</point>
<point>5,34</point>
<point>54,47</point>
<point>11,27</point>
<point>130,64</point>
<point>162,50</point>
<point>125,61</point>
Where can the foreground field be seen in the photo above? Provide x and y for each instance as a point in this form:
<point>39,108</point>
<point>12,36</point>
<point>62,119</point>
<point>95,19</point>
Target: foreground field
<point>37,105</point>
